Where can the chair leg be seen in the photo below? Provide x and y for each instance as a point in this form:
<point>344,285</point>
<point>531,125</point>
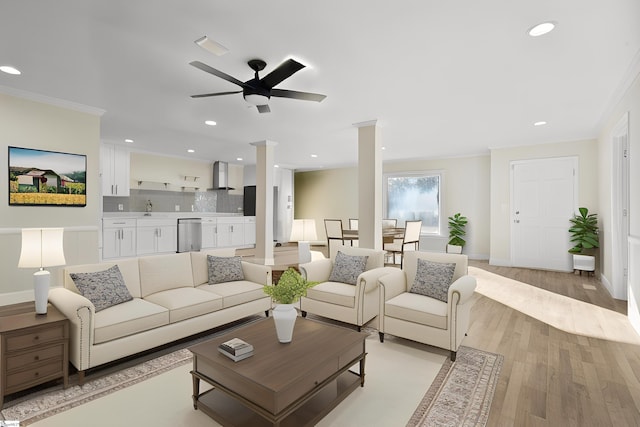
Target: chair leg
<point>453,356</point>
<point>359,328</point>
<point>303,313</point>
<point>266,313</point>
<point>381,335</point>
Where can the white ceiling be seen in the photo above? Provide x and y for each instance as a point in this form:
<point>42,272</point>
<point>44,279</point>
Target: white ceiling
<point>443,78</point>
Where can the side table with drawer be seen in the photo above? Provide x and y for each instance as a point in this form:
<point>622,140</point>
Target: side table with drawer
<point>34,348</point>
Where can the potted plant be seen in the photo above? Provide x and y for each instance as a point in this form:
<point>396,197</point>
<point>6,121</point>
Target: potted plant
<point>457,224</point>
<point>289,289</point>
<point>584,236</point>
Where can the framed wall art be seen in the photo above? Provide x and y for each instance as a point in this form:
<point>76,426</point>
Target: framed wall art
<point>46,178</point>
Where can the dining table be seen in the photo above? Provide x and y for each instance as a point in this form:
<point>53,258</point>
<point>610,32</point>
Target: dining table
<point>388,234</point>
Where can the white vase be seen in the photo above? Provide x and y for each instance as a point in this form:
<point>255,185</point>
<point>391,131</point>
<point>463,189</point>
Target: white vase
<point>454,249</point>
<point>284,316</point>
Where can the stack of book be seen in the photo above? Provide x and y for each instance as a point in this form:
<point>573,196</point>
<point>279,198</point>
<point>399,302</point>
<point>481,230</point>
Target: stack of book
<point>236,349</point>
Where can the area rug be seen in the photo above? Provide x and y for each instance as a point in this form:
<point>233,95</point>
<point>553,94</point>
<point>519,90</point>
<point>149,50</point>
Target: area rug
<point>462,392</point>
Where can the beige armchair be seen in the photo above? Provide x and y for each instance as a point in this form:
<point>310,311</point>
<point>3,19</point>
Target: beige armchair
<point>355,304</point>
<point>422,318</point>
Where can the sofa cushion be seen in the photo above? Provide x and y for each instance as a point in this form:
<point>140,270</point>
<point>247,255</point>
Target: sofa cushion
<point>418,309</point>
<point>128,268</point>
<point>200,266</point>
<point>224,269</point>
<point>234,293</point>
<point>103,288</point>
<point>333,293</point>
<point>433,279</point>
<point>128,318</point>
<point>185,303</point>
<point>347,268</point>
<point>161,272</point>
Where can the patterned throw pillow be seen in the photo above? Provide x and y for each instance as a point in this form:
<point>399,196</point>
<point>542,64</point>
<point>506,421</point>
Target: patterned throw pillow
<point>433,279</point>
<point>347,268</point>
<point>103,288</point>
<point>224,269</point>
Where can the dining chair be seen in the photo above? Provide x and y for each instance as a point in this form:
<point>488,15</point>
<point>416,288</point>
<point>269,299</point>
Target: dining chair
<point>389,223</point>
<point>335,232</point>
<point>353,223</point>
<point>410,240</point>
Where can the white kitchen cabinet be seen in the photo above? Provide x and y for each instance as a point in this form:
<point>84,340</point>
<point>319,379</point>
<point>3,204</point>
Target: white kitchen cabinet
<point>115,165</point>
<point>230,232</point>
<point>249,230</point>
<point>156,236</point>
<point>118,238</point>
<point>209,233</point>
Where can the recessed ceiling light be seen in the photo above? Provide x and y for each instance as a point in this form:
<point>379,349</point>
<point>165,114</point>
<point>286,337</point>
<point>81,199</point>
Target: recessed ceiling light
<point>383,148</point>
<point>128,140</point>
<point>314,155</point>
<point>276,166</point>
<point>191,150</point>
<point>211,46</point>
<point>541,29</point>
<point>540,123</point>
<point>10,70</point>
<point>239,159</point>
<point>210,122</point>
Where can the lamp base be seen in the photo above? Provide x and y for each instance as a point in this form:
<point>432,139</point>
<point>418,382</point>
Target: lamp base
<point>304,252</point>
<point>41,281</point>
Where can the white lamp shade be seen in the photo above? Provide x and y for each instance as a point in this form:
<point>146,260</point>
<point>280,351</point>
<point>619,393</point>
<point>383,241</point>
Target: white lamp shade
<point>303,230</point>
<point>41,247</point>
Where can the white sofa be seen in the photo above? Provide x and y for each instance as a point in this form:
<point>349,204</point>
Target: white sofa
<point>423,318</point>
<point>171,300</point>
<point>355,304</point>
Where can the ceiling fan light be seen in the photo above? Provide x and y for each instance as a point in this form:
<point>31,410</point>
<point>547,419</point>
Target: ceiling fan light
<point>255,99</point>
<point>211,46</point>
<point>542,28</point>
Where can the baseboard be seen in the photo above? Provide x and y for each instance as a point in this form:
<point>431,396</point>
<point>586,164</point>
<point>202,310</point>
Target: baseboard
<point>500,262</point>
<point>10,298</point>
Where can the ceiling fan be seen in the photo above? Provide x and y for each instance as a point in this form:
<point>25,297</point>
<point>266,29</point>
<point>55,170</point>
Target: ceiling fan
<point>257,91</point>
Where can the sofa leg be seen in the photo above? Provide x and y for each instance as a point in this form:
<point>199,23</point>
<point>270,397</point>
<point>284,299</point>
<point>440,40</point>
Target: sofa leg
<point>80,377</point>
<point>304,313</point>
<point>381,335</point>
<point>453,356</point>
<point>359,328</point>
<point>266,313</point>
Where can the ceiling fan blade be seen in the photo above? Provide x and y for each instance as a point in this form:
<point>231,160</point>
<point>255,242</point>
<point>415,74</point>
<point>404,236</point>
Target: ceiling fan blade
<point>204,95</point>
<point>263,108</point>
<point>305,96</point>
<point>211,70</point>
<point>283,71</point>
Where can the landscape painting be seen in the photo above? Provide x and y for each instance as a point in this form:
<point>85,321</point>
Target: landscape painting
<point>46,178</point>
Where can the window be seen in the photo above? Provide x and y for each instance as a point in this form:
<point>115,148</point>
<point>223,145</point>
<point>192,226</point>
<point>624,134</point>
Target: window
<point>414,196</point>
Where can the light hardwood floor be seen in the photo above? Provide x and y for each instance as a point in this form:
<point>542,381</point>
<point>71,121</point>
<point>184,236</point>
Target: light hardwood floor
<point>551,377</point>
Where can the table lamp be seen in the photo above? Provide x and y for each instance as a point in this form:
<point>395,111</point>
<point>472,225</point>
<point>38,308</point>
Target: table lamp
<point>41,247</point>
<point>302,231</point>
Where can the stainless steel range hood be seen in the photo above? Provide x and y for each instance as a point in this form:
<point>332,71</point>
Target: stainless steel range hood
<point>221,176</point>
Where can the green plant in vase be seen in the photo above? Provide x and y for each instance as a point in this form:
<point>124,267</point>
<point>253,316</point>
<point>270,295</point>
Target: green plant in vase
<point>290,287</point>
<point>457,231</point>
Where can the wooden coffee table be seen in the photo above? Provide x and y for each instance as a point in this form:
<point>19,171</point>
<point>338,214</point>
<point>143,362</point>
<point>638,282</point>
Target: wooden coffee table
<point>294,384</point>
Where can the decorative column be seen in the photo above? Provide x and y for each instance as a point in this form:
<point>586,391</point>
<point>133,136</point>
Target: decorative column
<point>264,201</point>
<point>369,185</point>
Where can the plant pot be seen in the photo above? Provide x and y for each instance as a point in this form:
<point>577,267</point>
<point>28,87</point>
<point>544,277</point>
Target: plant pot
<point>584,262</point>
<point>454,249</point>
<point>284,317</point>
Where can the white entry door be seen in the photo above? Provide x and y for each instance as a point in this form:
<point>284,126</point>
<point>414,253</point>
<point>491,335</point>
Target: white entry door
<point>542,202</point>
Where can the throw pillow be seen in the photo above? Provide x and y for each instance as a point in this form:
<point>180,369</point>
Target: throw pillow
<point>433,279</point>
<point>224,269</point>
<point>103,288</point>
<point>347,268</point>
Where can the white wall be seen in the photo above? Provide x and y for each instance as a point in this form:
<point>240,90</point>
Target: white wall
<point>628,102</point>
<point>501,159</point>
<point>25,122</point>
<point>333,194</point>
